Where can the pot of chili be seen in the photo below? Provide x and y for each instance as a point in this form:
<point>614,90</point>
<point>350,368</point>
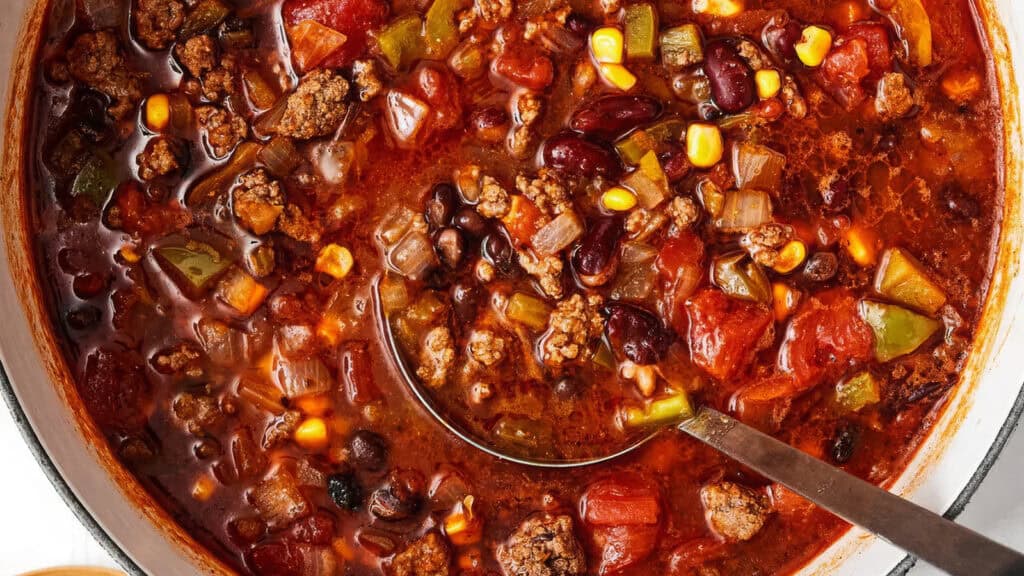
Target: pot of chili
<point>579,221</point>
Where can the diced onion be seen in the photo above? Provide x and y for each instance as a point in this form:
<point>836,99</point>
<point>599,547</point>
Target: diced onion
<point>280,156</point>
<point>744,210</point>
<point>756,166</point>
<point>412,255</point>
<point>334,161</point>
<point>406,116</point>
<point>298,378</point>
<point>558,234</point>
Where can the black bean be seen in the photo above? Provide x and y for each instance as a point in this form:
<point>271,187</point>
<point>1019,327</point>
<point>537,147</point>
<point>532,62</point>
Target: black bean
<point>637,334</point>
<point>958,202</point>
<point>732,80</point>
<point>578,24</point>
<point>842,445</point>
<point>368,450</point>
<point>344,491</point>
<point>821,267</point>
<point>498,250</point>
<point>450,246</point>
<point>469,221</point>
<point>84,317</point>
<point>466,299</point>
<point>441,206</point>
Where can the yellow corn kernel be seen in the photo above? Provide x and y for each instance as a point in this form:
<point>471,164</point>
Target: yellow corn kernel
<point>158,112</point>
<point>334,260</point>
<point>314,404</point>
<point>768,83</point>
<point>607,45</point>
<point>618,76</point>
<point>784,300</point>
<point>204,488</point>
<point>861,245</point>
<point>129,254</point>
<point>724,8</point>
<point>618,199</point>
<point>814,44</point>
<point>704,144</point>
<point>462,526</point>
<point>790,256</point>
<point>312,434</point>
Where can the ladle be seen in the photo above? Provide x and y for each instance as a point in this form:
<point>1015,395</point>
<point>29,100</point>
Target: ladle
<point>936,540</point>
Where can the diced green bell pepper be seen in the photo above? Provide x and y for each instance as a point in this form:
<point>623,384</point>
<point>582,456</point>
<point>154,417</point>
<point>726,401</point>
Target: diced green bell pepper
<point>681,46</point>
<point>741,278</point>
<point>669,410</point>
<point>400,41</point>
<point>527,310</point>
<point>442,34</point>
<point>97,178</point>
<point>641,31</point>
<point>194,266</point>
<point>902,279</point>
<point>206,16</point>
<point>639,142</point>
<point>857,391</point>
<point>897,331</point>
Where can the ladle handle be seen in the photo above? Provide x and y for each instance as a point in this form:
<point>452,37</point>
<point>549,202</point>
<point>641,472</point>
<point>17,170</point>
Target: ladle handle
<point>926,535</point>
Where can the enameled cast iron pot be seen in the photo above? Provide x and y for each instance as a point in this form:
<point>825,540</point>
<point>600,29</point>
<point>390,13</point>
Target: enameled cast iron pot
<point>37,385</point>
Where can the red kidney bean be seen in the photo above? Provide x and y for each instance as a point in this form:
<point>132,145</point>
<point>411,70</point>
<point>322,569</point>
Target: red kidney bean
<point>596,258</point>
<point>637,334</point>
<point>612,116</point>
<point>441,206</point>
<point>732,80</point>
<point>780,39</point>
<point>399,497</point>
<point>574,156</point>
<point>675,164</point>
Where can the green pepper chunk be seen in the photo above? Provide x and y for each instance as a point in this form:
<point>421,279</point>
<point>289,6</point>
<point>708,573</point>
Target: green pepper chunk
<point>741,278</point>
<point>442,35</point>
<point>194,266</point>
<point>858,391</point>
<point>400,41</point>
<point>638,143</point>
<point>897,331</point>
<point>902,279</point>
<point>96,179</point>
<point>641,31</point>
<point>681,46</point>
<point>669,410</point>
<point>206,16</point>
<point>527,310</point>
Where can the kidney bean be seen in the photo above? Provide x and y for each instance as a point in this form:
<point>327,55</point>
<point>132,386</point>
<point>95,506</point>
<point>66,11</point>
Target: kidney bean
<point>637,334</point>
<point>612,116</point>
<point>836,196</point>
<point>83,317</point>
<point>399,497</point>
<point>450,246</point>
<point>469,221</point>
<point>574,156</point>
<point>578,24</point>
<point>821,267</point>
<point>780,39</point>
<point>675,164</point>
<point>490,124</point>
<point>441,206</point>
<point>368,450</point>
<point>732,80</point>
<point>596,258</point>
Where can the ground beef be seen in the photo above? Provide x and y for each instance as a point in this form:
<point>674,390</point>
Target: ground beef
<point>180,359</point>
<point>894,99</point>
<point>157,22</point>
<point>765,241</point>
<point>219,83</point>
<point>427,556</point>
<point>528,107</point>
<point>494,200</point>
<point>543,545</point>
<point>494,12</point>
<point>486,347</point>
<point>733,511</point>
<point>546,191</point>
<point>756,59</point>
<point>546,269</point>
<point>295,224</point>
<point>366,76</point>
<point>159,158</point>
<point>796,106</point>
<point>198,55</point>
<point>96,60</point>
<point>197,412</point>
<point>223,129</point>
<point>281,429</point>
<point>573,324</point>
<point>316,108</point>
<point>683,211</point>
<point>436,357</point>
<point>258,201</point>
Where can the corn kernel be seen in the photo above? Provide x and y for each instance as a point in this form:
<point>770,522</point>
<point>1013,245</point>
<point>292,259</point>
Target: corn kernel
<point>158,112</point>
<point>334,260</point>
<point>607,44</point>
<point>462,526</point>
<point>704,145</point>
<point>790,256</point>
<point>618,199</point>
<point>784,300</point>
<point>129,254</point>
<point>312,434</point>
<point>314,404</point>
<point>860,244</point>
<point>618,76</point>
<point>769,82</point>
<point>813,46</point>
<point>724,8</point>
<point>204,488</point>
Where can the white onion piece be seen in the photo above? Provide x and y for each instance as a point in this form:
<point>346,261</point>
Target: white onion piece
<point>634,282</point>
<point>412,255</point>
<point>334,161</point>
<point>558,234</point>
<point>638,252</point>
<point>756,166</point>
<point>298,378</point>
<point>744,210</point>
<point>649,192</point>
<point>406,116</point>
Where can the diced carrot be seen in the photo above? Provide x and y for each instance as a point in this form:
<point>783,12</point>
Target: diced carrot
<point>242,292</point>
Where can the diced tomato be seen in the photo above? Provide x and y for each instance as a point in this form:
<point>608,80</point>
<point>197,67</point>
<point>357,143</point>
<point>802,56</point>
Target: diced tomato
<point>522,220</point>
<point>629,500</point>
<point>843,69</point>
<point>680,264</point>
<point>438,88</point>
<point>724,332</point>
<point>137,215</point>
<point>357,373</point>
<point>766,403</point>
<point>693,554</point>
<point>525,66</point>
<point>825,336</point>
<point>623,546</point>
<point>116,391</point>
<point>788,503</point>
<point>353,18</point>
<point>879,52</point>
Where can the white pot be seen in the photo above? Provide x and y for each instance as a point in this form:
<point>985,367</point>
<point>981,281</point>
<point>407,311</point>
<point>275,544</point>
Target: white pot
<point>942,476</point>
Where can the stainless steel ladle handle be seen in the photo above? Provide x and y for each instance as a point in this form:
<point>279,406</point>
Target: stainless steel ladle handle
<point>924,534</point>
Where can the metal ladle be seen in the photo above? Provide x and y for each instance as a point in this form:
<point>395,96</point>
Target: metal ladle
<point>940,542</point>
